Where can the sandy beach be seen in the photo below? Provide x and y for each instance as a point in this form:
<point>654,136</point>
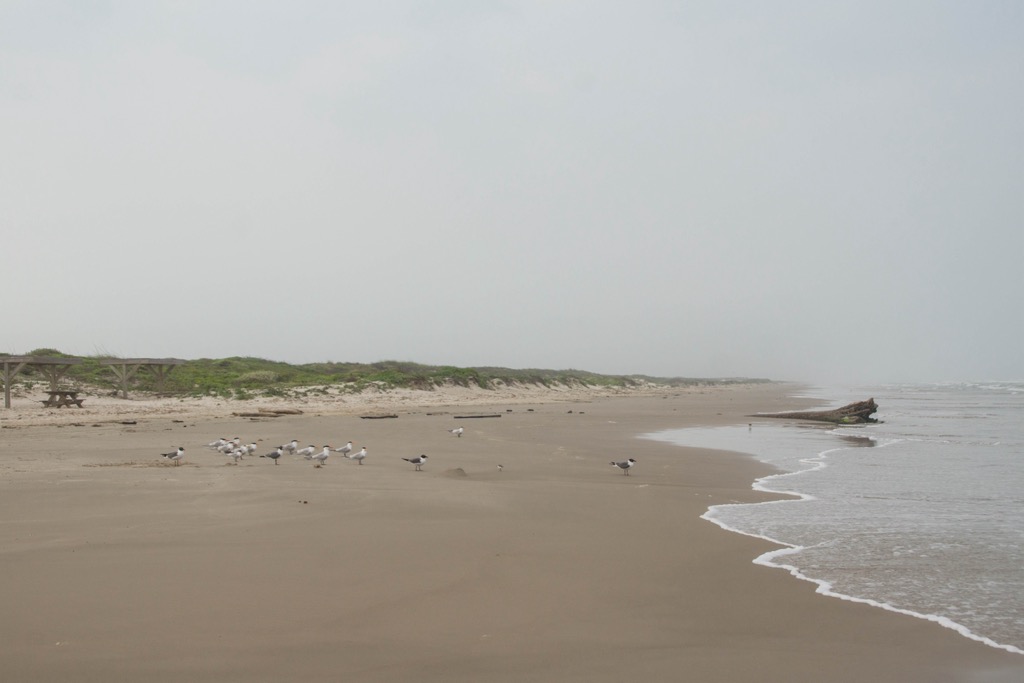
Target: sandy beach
<point>119,565</point>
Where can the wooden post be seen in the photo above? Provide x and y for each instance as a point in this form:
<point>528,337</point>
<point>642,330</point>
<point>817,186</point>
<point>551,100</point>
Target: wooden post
<point>160,372</point>
<point>124,374</point>
<point>125,368</point>
<point>9,377</point>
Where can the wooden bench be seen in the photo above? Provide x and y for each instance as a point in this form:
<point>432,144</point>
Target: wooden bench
<point>62,398</point>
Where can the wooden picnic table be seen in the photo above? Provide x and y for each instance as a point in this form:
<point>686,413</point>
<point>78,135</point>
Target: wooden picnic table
<point>61,398</point>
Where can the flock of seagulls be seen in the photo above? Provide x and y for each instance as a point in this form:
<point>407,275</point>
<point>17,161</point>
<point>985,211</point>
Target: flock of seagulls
<point>234,449</point>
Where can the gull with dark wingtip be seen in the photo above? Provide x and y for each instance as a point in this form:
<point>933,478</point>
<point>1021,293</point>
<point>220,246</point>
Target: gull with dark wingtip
<point>625,465</point>
<point>175,456</point>
<point>418,461</point>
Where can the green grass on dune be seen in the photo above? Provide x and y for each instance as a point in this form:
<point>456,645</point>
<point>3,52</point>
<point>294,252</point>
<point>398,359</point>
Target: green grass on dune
<point>246,377</point>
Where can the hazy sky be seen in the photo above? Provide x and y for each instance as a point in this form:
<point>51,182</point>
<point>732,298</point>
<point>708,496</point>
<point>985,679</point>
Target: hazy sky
<point>792,190</point>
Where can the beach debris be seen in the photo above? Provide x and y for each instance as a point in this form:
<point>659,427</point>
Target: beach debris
<point>858,412</point>
<point>378,416</point>
<point>281,411</point>
<point>476,415</point>
<point>624,465</point>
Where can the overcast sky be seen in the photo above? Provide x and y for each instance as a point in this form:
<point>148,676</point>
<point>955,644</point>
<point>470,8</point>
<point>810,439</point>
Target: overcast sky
<point>793,190</point>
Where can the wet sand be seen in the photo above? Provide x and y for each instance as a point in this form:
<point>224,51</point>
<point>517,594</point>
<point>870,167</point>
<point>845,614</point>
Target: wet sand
<point>117,565</point>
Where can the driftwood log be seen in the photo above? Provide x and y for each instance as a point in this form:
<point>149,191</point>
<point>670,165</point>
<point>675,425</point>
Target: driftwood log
<point>270,412</point>
<point>852,414</point>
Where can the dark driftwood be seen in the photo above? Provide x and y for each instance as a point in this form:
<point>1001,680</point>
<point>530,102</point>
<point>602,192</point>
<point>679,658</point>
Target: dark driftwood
<point>468,417</point>
<point>852,414</point>
<point>378,417</point>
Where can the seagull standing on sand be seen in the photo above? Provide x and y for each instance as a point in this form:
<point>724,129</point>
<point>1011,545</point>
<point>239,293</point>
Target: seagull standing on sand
<point>418,461</point>
<point>274,454</point>
<point>457,431</point>
<point>307,452</point>
<point>250,449</point>
<point>359,456</point>
<point>236,454</point>
<point>217,444</point>
<point>344,450</point>
<point>624,465</point>
<point>175,456</point>
<point>291,447</point>
<point>321,457</point>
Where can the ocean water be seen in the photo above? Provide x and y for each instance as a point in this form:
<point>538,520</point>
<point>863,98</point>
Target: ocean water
<point>921,514</point>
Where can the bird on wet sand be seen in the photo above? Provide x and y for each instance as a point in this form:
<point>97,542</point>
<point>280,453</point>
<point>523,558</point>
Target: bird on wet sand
<point>290,448</point>
<point>175,456</point>
<point>624,465</point>
<point>274,454</point>
<point>344,450</point>
<point>321,457</point>
<point>457,431</point>
<point>418,461</point>
<point>359,456</point>
<point>307,452</point>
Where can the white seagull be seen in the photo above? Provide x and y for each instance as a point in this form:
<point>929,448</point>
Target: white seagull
<point>359,456</point>
<point>418,461</point>
<point>457,431</point>
<point>236,454</point>
<point>321,457</point>
<point>250,449</point>
<point>274,454</point>
<point>624,465</point>
<point>344,450</point>
<point>291,447</point>
<point>217,444</point>
<point>175,456</point>
<point>307,452</point>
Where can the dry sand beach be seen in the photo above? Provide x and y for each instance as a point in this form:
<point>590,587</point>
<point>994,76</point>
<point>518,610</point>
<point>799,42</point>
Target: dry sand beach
<point>119,566</point>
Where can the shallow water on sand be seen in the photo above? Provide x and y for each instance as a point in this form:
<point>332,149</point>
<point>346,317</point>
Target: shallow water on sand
<point>922,513</point>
